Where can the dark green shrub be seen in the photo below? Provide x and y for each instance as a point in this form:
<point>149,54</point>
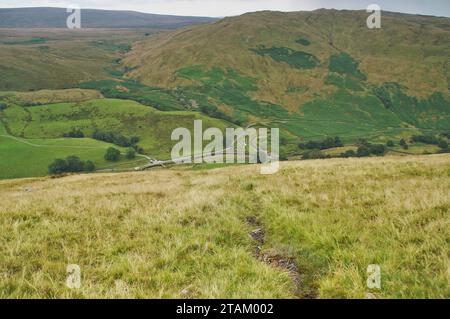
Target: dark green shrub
<point>71,164</point>
<point>314,154</point>
<point>130,154</point>
<point>74,164</point>
<point>363,151</point>
<point>349,153</point>
<point>58,166</point>
<point>371,149</point>
<point>75,133</point>
<point>115,138</point>
<point>443,144</point>
<point>390,144</point>
<point>425,139</point>
<point>89,166</point>
<point>327,143</point>
<point>112,154</point>
<point>377,149</point>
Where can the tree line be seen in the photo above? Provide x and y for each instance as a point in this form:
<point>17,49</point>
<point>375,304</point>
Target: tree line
<point>71,164</point>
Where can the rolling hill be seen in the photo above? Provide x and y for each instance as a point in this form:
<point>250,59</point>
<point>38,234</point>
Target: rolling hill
<point>37,51</point>
<point>32,135</point>
<point>36,59</point>
<point>313,74</point>
<point>92,18</point>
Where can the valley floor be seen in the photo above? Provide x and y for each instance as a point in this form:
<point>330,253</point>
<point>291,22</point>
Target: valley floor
<point>311,230</point>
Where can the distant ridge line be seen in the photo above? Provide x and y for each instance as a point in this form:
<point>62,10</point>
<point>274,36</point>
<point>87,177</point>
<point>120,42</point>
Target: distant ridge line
<point>49,17</point>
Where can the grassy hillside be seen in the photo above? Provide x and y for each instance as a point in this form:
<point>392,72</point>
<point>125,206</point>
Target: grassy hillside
<point>183,233</point>
<point>311,73</point>
<point>129,118</point>
<point>410,50</point>
<point>34,59</point>
<point>31,130</point>
<point>31,157</point>
<point>48,96</point>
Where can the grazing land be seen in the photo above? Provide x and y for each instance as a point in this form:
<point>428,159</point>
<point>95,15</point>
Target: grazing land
<point>195,233</point>
<point>31,157</point>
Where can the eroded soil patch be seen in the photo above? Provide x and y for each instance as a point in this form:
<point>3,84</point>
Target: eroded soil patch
<point>277,260</point>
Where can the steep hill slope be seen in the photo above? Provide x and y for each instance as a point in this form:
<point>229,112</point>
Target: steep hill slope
<point>91,18</point>
<point>313,73</point>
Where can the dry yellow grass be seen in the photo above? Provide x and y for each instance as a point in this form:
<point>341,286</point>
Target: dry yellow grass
<point>183,233</point>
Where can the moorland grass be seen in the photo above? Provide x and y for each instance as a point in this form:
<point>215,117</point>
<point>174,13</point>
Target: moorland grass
<point>183,233</point>
<point>66,59</point>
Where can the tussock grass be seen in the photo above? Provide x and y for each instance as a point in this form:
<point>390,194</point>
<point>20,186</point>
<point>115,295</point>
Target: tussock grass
<point>183,233</point>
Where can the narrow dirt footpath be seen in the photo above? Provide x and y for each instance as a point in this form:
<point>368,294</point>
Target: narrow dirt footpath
<point>276,260</point>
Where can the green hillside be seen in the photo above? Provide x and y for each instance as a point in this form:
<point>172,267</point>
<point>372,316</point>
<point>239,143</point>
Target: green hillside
<point>31,157</point>
<point>313,74</point>
<point>32,136</point>
<point>129,118</point>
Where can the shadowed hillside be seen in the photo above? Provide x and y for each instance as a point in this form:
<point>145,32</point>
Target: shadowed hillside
<point>91,18</point>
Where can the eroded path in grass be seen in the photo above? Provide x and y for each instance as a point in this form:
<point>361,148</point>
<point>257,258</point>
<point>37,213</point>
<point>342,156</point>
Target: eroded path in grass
<point>278,261</point>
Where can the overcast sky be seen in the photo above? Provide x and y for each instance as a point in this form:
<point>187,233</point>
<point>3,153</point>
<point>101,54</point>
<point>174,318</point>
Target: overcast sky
<point>220,8</point>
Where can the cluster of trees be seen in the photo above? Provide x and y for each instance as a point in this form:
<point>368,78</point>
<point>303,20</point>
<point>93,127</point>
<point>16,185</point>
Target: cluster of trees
<point>74,133</point>
<point>371,149</point>
<point>425,139</point>
<point>314,154</point>
<point>71,164</point>
<point>390,143</point>
<point>431,140</point>
<point>366,149</point>
<point>30,103</point>
<point>327,143</point>
<point>113,155</point>
<point>116,138</point>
